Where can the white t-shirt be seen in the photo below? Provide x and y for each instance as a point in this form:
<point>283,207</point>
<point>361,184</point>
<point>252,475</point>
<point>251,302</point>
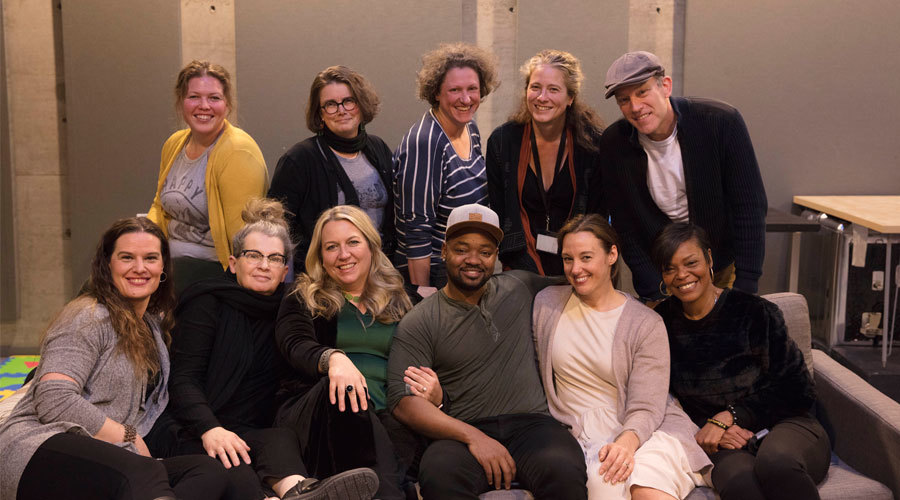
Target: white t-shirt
<point>665,175</point>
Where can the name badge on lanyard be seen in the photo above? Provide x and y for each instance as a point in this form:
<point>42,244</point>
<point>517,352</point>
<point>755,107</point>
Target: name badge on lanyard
<point>547,243</point>
<point>546,240</point>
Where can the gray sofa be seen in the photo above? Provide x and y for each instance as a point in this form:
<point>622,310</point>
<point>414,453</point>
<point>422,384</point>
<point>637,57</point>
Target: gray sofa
<point>863,424</point>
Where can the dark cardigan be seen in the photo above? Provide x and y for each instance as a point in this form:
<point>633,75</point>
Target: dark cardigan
<point>223,330</point>
<point>307,178</point>
<point>739,354</point>
<point>725,192</point>
<point>301,340</point>
<point>502,163</point>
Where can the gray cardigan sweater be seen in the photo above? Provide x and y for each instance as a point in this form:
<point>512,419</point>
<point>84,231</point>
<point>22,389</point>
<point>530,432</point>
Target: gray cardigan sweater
<point>81,343</point>
<point>641,368</point>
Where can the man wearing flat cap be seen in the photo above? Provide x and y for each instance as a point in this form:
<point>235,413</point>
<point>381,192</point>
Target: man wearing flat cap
<point>679,159</point>
<point>491,425</point>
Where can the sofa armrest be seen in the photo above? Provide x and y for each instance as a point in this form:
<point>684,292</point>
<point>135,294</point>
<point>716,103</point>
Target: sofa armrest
<point>863,423</point>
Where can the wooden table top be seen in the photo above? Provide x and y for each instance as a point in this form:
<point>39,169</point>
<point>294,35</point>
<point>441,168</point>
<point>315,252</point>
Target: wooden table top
<point>878,213</point>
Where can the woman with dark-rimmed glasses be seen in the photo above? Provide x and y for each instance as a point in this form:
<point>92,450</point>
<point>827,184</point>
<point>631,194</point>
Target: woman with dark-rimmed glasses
<point>226,369</point>
<point>341,164</point>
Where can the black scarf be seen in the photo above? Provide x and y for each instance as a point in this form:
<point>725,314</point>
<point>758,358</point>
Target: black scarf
<point>342,144</point>
<point>233,351</point>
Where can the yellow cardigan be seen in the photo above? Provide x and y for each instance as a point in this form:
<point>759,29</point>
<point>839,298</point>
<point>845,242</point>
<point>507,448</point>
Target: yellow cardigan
<point>235,172</point>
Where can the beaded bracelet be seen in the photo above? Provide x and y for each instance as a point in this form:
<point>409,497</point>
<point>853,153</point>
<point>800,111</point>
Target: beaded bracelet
<point>734,419</point>
<point>130,433</point>
<point>717,423</point>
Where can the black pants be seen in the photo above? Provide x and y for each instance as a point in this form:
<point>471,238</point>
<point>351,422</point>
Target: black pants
<point>791,460</point>
<point>332,441</point>
<point>274,454</point>
<point>76,467</point>
<point>549,461</point>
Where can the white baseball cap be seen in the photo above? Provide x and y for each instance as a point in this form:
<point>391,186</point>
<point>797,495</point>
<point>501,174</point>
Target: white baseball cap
<point>474,216</point>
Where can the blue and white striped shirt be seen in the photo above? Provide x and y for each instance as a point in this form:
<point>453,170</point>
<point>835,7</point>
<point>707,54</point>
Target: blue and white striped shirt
<point>430,180</point>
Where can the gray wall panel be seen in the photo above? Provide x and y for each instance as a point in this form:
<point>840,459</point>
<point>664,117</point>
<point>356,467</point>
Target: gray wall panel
<point>282,45</point>
<point>594,31</point>
<point>121,60</point>
<point>816,82</point>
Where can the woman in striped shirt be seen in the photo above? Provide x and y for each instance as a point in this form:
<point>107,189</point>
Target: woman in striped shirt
<point>439,165</point>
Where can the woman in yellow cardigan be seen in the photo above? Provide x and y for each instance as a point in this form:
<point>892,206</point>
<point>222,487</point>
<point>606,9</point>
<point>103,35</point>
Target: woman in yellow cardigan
<point>206,175</point>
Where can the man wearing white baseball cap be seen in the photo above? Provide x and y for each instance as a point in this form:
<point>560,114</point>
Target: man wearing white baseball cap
<point>490,426</point>
<point>676,159</point>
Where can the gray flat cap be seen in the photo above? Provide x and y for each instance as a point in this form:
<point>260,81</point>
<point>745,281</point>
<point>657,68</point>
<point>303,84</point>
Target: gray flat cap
<point>633,67</point>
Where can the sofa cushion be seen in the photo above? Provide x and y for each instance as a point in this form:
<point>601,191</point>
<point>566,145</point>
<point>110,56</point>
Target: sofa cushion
<point>844,483</point>
<point>796,318</point>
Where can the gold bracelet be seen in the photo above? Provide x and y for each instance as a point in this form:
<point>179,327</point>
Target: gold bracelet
<point>717,423</point>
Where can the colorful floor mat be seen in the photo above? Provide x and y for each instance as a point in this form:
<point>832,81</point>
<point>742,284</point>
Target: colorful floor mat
<point>13,371</point>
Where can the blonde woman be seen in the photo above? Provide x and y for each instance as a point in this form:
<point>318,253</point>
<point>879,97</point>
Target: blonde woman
<point>539,163</point>
<point>335,330</point>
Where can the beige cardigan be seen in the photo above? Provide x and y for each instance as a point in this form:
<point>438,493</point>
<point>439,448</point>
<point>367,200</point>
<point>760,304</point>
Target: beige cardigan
<point>640,366</point>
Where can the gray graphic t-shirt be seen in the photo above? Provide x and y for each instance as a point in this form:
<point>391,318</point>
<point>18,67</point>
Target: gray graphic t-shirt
<point>183,198</point>
<point>373,196</point>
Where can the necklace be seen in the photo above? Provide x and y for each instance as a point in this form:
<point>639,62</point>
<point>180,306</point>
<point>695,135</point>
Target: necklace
<point>351,298</point>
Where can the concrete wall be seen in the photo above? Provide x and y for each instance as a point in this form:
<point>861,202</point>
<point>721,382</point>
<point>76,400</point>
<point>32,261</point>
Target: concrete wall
<point>121,59</point>
<point>816,82</point>
<point>36,170</point>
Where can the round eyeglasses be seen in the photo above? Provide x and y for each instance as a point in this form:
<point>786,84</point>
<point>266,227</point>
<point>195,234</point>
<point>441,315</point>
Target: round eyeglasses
<point>256,258</point>
<point>331,107</point>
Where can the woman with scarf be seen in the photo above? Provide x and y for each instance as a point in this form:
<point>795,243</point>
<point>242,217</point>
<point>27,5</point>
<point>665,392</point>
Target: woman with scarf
<point>341,164</point>
<point>539,163</point>
<point>226,368</point>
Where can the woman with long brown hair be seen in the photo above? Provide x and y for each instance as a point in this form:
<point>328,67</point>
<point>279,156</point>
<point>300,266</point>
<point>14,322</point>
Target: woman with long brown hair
<point>101,384</point>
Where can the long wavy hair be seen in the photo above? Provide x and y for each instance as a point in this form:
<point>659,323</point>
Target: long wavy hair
<point>383,295</point>
<point>586,124</point>
<point>135,337</point>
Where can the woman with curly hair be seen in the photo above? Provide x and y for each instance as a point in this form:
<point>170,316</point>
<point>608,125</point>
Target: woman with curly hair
<point>101,384</point>
<point>335,330</point>
<point>207,172</point>
<point>540,162</point>
<point>341,164</point>
<point>439,165</point>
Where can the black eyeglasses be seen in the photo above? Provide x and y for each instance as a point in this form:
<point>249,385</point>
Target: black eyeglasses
<point>256,257</point>
<point>331,107</point>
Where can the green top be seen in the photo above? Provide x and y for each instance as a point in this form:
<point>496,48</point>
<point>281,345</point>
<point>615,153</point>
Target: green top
<point>367,343</point>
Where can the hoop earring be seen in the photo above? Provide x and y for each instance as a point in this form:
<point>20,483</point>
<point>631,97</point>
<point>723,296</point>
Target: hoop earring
<point>712,275</point>
<point>163,277</point>
<point>663,289</point>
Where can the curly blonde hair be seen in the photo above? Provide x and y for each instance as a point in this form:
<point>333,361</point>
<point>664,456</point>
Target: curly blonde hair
<point>383,295</point>
<point>438,62</point>
<point>584,121</point>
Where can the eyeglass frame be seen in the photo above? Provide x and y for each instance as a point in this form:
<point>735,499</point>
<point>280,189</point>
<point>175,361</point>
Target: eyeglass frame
<point>338,105</point>
<point>264,257</point>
